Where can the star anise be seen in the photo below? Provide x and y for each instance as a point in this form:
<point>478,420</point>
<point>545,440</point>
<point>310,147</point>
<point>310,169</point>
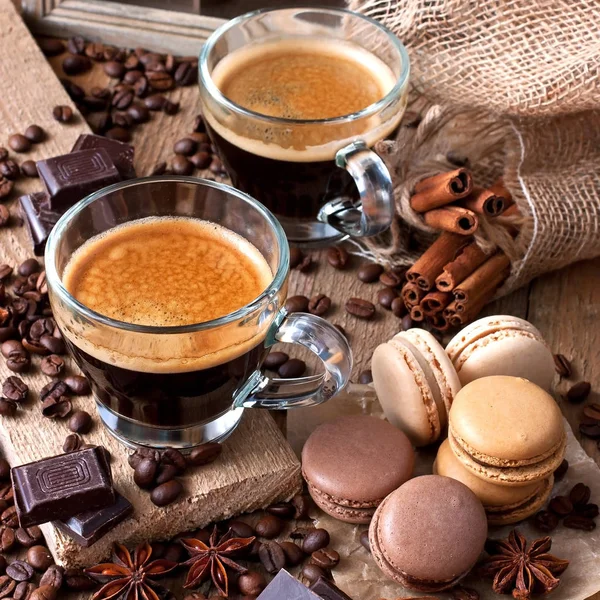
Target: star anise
<point>212,560</point>
<point>520,569</point>
<point>131,578</point>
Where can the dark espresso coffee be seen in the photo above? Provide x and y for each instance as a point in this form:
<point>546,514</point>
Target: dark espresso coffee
<point>290,167</point>
<point>165,272</point>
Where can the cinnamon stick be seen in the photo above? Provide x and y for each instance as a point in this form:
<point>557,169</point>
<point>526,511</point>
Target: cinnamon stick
<point>483,280</point>
<point>441,189</point>
<point>412,294</point>
<point>466,261</point>
<point>488,201</point>
<point>438,321</point>
<point>435,302</point>
<point>450,310</point>
<point>416,313</point>
<point>454,219</point>
<point>433,260</point>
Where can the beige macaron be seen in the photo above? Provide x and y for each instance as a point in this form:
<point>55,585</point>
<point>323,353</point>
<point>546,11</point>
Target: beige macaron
<point>415,383</point>
<point>503,504</point>
<point>502,345</point>
<point>507,430</point>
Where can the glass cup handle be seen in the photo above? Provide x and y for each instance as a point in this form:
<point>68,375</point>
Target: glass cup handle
<point>374,212</point>
<point>319,337</point>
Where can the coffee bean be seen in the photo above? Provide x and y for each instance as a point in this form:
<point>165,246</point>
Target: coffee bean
<point>185,146</point>
<point>75,64</point>
<point>312,572</point>
<point>80,422</point>
<point>95,51</point>
<point>121,101</point>
<point>19,570</point>
<point>10,169</point>
<point>561,471</point>
<point>8,408</point>
<point>23,591</point>
<point>464,593</point>
<point>579,392</point>
<point>296,256</point>
<point>406,323</point>
<point>216,166</point>
<point>315,540</point>
<point>62,113</point>
<point>292,368</point>
<point>562,365</point>
<point>293,555</point>
<point>592,411</point>
<point>204,454</point>
<point>186,74</point>
<point>7,538</point>
<point>138,113</point>
<point>561,506</point>
<point>50,46</point>
<point>241,529</point>
<point>76,45</point>
<point>52,344</point>
<point>252,583</point>
<point>72,443</point>
<point>301,504</point>
<point>7,585</point>
<point>118,133</point>
<point>132,76</point>
<point>114,69</point>
<point>160,81</point>
<point>370,272</point>
<point>155,102</point>
<point>364,540</point>
<point>77,384</point>
<point>35,134</point>
<point>274,360</point>
<point>338,257</point>
<point>29,536</point>
<point>54,389</point>
<point>580,523</point>
<point>145,472</point>
<point>272,557</point>
<point>296,304</point>
<point>4,470</point>
<point>29,169</point>
<point>365,377</point>
<point>283,510</point>
<point>386,296</point>
<point>269,527</point>
<point>590,430</point>
<point>201,160</point>
<point>325,558</point>
<point>19,143</point>
<point>181,165</point>
<point>166,493</point>
<point>76,579</point>
<point>319,304</point>
<point>15,389</point>
<point>390,279</point>
<point>141,88</point>
<point>52,365</point>
<point>362,309</point>
<point>39,558</point>
<point>165,473</point>
<point>18,362</point>
<point>590,511</point>
<point>9,517</point>
<point>580,494</point>
<point>172,456</point>
<point>53,577</point>
<point>140,454</point>
<point>57,409</point>
<point>44,592</point>
<point>10,346</point>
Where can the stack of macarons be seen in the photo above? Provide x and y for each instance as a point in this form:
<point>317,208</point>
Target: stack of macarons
<point>416,384</point>
<point>352,463</point>
<point>506,438</point>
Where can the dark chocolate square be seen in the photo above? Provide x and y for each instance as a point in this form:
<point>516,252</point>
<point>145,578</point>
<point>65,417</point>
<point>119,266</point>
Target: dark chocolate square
<point>39,218</point>
<point>327,590</point>
<point>59,487</point>
<point>121,153</point>
<point>71,177</point>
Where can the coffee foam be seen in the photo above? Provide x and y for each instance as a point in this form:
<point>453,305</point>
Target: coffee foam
<point>187,271</point>
<point>305,142</point>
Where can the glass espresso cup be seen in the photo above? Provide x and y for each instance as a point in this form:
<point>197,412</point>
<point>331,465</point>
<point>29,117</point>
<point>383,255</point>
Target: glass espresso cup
<point>180,386</point>
<point>319,176</point>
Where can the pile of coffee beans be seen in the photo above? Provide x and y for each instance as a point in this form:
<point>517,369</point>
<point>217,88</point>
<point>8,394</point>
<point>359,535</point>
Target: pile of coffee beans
<point>284,366</point>
<point>575,510</point>
<point>157,471</point>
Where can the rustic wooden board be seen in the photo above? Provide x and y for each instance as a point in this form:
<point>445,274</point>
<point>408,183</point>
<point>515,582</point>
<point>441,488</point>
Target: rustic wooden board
<point>257,467</point>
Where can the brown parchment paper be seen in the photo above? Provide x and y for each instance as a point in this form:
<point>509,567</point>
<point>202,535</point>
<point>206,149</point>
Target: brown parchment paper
<point>362,580</point>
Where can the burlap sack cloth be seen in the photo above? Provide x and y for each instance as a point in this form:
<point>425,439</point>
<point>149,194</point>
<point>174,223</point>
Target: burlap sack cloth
<point>514,86</point>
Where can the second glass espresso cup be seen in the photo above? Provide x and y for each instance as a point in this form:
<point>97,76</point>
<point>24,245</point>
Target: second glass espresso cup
<point>180,386</point>
<point>319,176</point>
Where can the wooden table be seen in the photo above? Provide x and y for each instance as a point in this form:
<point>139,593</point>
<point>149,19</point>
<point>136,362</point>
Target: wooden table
<point>564,305</point>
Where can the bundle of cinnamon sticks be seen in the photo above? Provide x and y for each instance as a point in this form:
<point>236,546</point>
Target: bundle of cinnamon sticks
<point>451,202</point>
<point>454,279</point>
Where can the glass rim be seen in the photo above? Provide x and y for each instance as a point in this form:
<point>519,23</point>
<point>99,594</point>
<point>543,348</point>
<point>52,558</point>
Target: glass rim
<point>56,285</point>
<point>207,82</point>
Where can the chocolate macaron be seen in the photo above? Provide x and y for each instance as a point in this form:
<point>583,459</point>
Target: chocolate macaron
<point>429,533</point>
<point>352,463</point>
<point>507,430</point>
<point>415,383</point>
<point>503,504</point>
